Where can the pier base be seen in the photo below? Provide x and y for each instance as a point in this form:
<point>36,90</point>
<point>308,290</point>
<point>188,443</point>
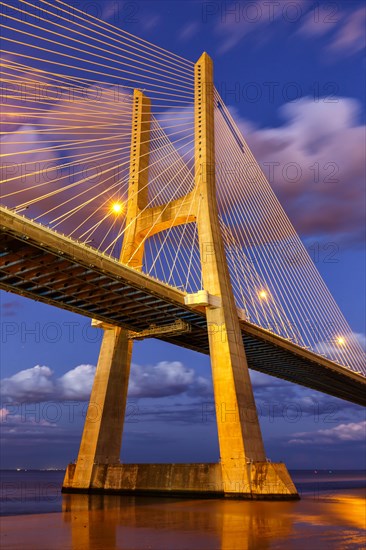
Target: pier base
<point>266,481</point>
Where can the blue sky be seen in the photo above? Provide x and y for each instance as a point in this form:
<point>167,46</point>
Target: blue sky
<point>283,68</point>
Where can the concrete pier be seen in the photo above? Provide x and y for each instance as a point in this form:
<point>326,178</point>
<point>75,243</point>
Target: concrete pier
<point>266,481</point>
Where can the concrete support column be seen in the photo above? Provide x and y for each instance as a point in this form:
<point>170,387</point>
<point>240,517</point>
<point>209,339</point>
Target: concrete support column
<point>239,432</point>
<point>102,435</point>
<point>101,440</point>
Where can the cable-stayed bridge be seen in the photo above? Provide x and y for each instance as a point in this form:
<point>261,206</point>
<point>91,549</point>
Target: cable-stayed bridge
<point>76,277</point>
<point>130,195</point>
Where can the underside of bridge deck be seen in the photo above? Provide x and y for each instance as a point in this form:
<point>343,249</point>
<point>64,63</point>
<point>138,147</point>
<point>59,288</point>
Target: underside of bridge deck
<point>41,265</point>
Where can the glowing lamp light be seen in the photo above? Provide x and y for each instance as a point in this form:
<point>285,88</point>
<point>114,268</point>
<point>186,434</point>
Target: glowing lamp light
<point>263,294</point>
<point>117,207</point>
<point>341,341</point>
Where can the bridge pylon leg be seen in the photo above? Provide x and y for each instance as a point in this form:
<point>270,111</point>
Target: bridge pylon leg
<point>242,455</point>
<point>102,436</point>
<point>240,439</point>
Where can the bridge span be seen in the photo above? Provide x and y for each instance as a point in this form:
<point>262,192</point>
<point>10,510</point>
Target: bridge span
<point>46,266</point>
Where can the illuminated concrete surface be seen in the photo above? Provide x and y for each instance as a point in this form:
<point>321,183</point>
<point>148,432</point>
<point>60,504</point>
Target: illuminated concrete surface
<point>262,480</point>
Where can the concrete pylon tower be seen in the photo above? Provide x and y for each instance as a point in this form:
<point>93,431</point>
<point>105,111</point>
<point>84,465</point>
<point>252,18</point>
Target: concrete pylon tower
<point>243,471</point>
<point>102,435</point>
<point>239,432</point>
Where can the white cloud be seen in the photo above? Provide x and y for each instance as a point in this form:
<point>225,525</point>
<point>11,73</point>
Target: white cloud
<point>39,383</point>
<point>352,431</point>
<point>165,378</point>
<point>35,383</point>
<point>77,383</point>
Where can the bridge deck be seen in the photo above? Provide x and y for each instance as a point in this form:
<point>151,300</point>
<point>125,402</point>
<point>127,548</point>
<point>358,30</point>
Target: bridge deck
<point>43,265</point>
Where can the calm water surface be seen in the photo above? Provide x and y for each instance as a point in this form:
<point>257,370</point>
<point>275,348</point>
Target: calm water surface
<point>330,515</point>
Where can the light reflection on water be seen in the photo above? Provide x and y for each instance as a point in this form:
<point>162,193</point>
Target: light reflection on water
<point>332,519</point>
<point>110,522</point>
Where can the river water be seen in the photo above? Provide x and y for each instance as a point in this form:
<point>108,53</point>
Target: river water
<point>331,515</point>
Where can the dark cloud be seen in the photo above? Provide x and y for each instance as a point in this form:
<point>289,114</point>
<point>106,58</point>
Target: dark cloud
<point>188,31</point>
<point>257,20</point>
<point>320,183</point>
<point>314,27</point>
<point>279,399</point>
<point>342,29</point>
<point>350,37</point>
<point>10,309</point>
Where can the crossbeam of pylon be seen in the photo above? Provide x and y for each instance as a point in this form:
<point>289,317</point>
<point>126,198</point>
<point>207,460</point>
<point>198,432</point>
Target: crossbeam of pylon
<point>143,221</point>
